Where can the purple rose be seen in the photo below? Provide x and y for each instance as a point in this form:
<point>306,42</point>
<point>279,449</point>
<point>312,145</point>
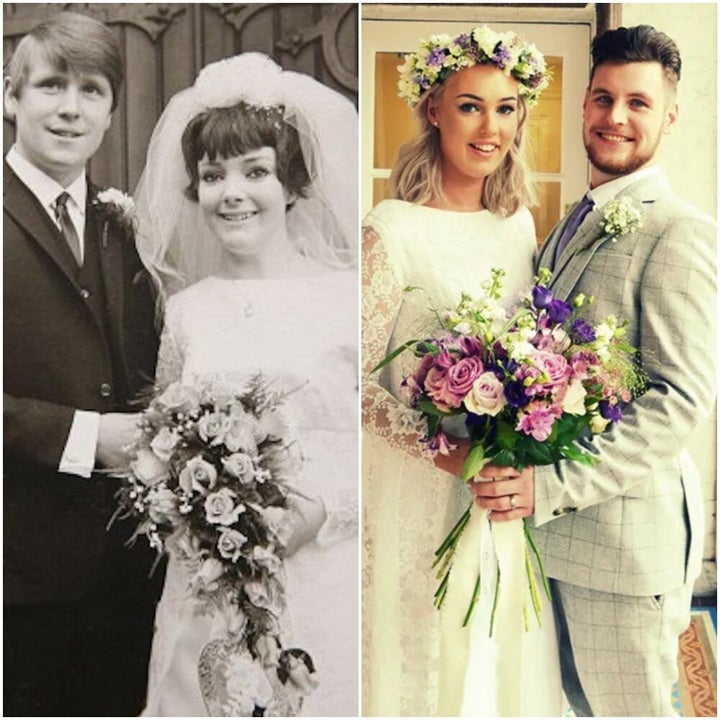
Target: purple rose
<point>541,297</point>
<point>582,331</point>
<point>610,411</point>
<point>559,311</point>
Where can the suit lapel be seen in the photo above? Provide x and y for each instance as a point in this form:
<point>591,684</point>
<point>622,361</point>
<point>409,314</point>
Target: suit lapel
<point>591,237</point>
<point>26,210</point>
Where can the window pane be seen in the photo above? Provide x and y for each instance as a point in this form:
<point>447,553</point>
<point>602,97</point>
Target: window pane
<point>546,124</point>
<point>394,121</point>
<point>380,190</point>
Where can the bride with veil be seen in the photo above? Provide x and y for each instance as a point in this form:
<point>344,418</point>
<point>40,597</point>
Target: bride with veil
<point>248,220</point>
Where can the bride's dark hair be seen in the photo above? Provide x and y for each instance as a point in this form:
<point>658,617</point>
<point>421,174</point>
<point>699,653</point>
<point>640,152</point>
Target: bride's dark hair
<point>231,131</point>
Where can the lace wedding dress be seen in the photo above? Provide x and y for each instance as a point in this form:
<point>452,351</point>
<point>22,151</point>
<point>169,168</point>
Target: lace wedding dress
<point>302,334</point>
<point>418,661</point>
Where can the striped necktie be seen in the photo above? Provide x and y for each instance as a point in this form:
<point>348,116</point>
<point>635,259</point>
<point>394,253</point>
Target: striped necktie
<point>67,229</point>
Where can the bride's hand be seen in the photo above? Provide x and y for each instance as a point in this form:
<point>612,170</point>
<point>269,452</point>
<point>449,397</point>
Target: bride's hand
<point>308,516</point>
<point>453,462</point>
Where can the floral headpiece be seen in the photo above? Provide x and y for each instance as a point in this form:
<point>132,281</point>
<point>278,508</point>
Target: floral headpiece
<point>440,55</point>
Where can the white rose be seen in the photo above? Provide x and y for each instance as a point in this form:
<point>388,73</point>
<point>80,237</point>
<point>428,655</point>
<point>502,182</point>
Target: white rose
<point>240,466</point>
<point>148,468</point>
<point>220,507</point>
<point>164,443</point>
<point>197,475</point>
<point>486,396</point>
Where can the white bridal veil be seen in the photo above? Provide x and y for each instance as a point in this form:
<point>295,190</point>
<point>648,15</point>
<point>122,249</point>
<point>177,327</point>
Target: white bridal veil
<point>174,241</point>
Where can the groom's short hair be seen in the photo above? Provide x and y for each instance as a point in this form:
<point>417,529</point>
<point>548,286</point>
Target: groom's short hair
<point>642,43</point>
<point>70,42</point>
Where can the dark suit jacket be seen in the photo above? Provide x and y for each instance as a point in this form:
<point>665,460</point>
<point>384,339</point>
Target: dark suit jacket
<point>65,350</point>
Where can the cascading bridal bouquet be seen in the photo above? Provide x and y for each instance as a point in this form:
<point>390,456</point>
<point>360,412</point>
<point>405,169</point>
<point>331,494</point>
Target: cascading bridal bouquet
<point>529,382</point>
<point>210,477</point>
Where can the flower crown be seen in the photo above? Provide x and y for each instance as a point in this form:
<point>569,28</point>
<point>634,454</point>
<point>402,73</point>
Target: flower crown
<point>440,55</point>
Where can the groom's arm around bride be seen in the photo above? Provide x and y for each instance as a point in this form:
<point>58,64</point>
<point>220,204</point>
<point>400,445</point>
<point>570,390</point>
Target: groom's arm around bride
<point>79,345</point>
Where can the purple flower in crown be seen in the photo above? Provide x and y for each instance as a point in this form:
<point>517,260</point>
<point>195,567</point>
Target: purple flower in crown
<point>436,58</point>
<point>463,40</point>
<point>559,311</point>
<point>501,56</point>
<point>582,331</point>
<point>610,411</point>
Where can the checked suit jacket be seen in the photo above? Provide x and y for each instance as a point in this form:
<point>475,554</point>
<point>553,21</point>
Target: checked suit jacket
<point>73,338</point>
<point>633,522</point>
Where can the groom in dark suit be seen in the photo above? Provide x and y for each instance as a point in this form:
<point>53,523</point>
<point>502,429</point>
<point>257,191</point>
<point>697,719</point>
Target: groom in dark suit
<point>79,343</point>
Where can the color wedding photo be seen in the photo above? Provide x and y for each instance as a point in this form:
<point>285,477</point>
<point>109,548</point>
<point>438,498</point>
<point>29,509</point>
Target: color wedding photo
<point>181,329</point>
<point>539,246</point>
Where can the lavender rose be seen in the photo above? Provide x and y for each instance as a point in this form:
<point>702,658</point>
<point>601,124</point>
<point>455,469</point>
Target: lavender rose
<point>553,369</point>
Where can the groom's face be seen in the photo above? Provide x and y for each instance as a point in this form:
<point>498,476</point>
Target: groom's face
<point>627,109</point>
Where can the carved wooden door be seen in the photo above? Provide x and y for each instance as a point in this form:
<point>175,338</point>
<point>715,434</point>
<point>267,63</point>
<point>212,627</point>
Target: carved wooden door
<point>166,44</point>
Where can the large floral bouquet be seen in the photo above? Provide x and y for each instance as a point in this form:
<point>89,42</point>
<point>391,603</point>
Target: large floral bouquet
<point>211,479</point>
<point>529,382</point>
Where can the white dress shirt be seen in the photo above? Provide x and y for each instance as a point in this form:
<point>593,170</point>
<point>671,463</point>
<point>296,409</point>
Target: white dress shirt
<point>603,194</point>
<point>78,457</point>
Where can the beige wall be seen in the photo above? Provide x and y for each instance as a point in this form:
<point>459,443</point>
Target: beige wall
<point>689,157</point>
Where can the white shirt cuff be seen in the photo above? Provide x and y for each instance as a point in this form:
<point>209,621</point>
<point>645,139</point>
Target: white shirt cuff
<point>78,457</point>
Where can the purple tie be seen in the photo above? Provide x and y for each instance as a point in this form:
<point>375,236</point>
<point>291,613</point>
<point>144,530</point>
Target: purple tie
<point>576,217</point>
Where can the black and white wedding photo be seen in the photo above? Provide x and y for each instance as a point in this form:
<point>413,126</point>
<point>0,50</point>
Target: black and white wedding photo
<point>180,285</point>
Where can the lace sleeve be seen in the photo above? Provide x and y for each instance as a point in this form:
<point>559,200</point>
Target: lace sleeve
<point>170,357</point>
<point>382,293</point>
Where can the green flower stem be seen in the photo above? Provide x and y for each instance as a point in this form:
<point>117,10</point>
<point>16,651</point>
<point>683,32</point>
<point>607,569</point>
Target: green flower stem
<point>473,602</point>
<point>538,558</point>
<point>495,602</point>
<point>532,586</point>
<point>453,535</point>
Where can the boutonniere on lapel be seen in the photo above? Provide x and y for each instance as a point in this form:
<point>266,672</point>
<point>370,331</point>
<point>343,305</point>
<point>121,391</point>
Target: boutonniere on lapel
<point>118,208</point>
<point>620,217</point>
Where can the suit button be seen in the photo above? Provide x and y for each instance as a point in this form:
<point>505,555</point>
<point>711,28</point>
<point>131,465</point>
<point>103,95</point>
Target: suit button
<point>105,390</point>
<point>84,294</point>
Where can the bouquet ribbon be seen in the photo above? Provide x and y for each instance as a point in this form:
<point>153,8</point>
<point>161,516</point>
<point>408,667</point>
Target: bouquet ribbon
<point>479,672</point>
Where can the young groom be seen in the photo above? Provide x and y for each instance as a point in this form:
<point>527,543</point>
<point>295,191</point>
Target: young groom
<point>622,539</point>
<point>79,343</point>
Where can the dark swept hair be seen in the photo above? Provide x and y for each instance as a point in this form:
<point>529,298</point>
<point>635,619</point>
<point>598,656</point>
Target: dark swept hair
<point>72,43</point>
<point>642,43</point>
<point>236,130</point>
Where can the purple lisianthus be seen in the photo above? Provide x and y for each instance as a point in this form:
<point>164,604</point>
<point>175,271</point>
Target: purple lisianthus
<point>610,412</point>
<point>582,331</point>
<point>541,297</point>
<point>515,394</point>
<point>559,311</point>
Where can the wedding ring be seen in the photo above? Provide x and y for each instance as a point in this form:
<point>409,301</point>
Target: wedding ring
<point>513,502</point>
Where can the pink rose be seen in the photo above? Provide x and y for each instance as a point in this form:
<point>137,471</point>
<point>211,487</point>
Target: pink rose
<point>487,396</point>
<point>553,368</point>
<point>448,387</point>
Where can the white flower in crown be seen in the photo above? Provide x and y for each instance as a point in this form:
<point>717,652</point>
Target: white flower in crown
<point>620,217</point>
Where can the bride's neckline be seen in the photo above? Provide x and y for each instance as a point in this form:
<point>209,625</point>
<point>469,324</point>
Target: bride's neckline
<point>466,213</point>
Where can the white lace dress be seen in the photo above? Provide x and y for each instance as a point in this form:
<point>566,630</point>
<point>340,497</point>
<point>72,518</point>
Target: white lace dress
<point>414,665</point>
<point>302,333</point>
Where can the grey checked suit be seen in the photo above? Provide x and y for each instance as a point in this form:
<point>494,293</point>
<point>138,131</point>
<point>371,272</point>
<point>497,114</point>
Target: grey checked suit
<point>632,525</point>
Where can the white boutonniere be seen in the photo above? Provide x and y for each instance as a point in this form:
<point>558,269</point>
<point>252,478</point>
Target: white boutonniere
<point>117,207</point>
<point>621,216</point>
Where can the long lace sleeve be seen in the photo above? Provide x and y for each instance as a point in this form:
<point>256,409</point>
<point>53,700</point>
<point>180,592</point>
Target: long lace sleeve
<point>170,358</point>
<point>382,293</point>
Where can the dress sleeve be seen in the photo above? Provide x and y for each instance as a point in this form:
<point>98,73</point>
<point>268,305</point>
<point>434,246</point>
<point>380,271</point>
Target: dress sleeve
<point>383,415</point>
<point>170,355</point>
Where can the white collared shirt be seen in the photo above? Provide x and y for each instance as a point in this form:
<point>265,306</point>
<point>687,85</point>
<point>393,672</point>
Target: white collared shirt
<point>46,190</point>
<point>603,194</point>
<point>78,456</point>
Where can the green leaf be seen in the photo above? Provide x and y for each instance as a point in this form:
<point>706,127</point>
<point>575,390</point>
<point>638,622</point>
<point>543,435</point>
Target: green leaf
<point>389,358</point>
<point>505,458</point>
<point>474,462</point>
<point>506,437</point>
